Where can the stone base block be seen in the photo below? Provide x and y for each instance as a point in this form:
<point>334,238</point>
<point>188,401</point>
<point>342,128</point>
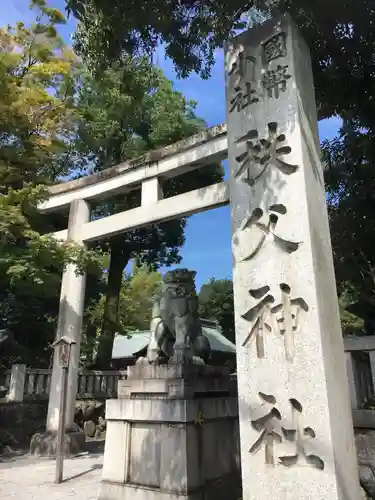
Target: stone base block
<point>161,448</point>
<point>115,491</point>
<point>174,381</point>
<point>228,488</point>
<point>44,444</point>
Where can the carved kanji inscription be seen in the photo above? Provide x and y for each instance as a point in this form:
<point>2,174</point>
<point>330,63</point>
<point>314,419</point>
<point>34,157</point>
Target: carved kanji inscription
<point>260,154</point>
<point>244,92</point>
<point>268,421</point>
<point>265,225</point>
<point>275,80</point>
<point>244,95</point>
<point>282,318</point>
<point>275,47</point>
<point>242,64</point>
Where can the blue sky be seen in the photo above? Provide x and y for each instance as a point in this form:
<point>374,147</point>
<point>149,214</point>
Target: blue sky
<point>207,249</point>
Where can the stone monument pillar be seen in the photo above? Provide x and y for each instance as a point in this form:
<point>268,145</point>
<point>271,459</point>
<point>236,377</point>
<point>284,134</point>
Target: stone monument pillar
<point>70,319</point>
<point>295,420</point>
<point>172,434</point>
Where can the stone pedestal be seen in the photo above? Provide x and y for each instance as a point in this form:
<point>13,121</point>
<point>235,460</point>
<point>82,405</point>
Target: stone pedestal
<point>172,434</point>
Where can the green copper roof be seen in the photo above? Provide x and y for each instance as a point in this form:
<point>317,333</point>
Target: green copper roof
<point>126,346</point>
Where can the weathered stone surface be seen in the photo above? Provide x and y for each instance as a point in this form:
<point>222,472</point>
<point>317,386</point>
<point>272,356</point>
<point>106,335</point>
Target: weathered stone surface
<point>177,381</point>
<point>69,323</point>
<point>43,444</point>
<point>102,423</point>
<point>152,156</point>
<point>89,410</point>
<point>175,329</point>
<point>89,428</point>
<point>364,495</point>
<point>365,443</point>
<point>174,207</point>
<point>290,352</point>
<point>163,448</point>
<point>143,370</point>
<point>220,489</point>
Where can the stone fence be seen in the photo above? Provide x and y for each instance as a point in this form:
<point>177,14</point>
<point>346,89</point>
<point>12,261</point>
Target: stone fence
<point>25,384</point>
<point>360,364</point>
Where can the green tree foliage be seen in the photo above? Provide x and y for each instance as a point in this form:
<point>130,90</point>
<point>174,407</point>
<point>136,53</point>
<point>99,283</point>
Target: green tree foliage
<point>350,184</point>
<point>129,110</point>
<point>340,35</point>
<point>216,303</point>
<point>37,116</point>
<point>135,308</point>
<point>350,187</point>
<point>351,324</point>
<point>57,119</point>
<point>342,43</point>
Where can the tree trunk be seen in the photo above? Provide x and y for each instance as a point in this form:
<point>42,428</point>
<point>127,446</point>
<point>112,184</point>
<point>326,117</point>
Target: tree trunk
<point>119,257</point>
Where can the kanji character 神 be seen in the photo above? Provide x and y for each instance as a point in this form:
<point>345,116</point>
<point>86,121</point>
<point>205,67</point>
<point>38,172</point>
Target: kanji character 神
<point>282,318</point>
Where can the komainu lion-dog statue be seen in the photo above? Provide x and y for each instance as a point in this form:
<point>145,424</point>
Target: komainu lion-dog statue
<point>176,331</point>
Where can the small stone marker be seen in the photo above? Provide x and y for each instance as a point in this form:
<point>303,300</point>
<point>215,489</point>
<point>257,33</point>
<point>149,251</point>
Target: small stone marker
<point>89,428</point>
<point>295,420</point>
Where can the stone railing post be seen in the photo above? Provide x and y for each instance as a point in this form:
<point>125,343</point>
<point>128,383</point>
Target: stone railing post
<point>17,383</point>
<point>372,367</point>
<point>352,381</point>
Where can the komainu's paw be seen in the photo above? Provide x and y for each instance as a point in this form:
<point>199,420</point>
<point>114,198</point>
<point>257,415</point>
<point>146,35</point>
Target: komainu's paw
<point>197,361</point>
<point>153,356</point>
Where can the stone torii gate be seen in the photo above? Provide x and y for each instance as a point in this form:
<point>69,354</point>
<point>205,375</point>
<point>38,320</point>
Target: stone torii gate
<point>145,173</point>
<point>295,419</point>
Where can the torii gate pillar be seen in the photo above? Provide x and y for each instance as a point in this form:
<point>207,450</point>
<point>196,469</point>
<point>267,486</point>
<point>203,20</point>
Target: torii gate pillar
<point>72,298</point>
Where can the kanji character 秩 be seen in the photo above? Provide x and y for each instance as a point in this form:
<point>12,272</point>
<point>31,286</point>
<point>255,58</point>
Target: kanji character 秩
<point>261,153</point>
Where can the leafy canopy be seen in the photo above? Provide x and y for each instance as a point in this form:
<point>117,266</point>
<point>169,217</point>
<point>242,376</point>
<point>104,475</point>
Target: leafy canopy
<point>37,123</point>
<point>135,308</point>
<point>340,35</point>
<point>216,302</point>
<point>350,182</point>
<point>127,110</point>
